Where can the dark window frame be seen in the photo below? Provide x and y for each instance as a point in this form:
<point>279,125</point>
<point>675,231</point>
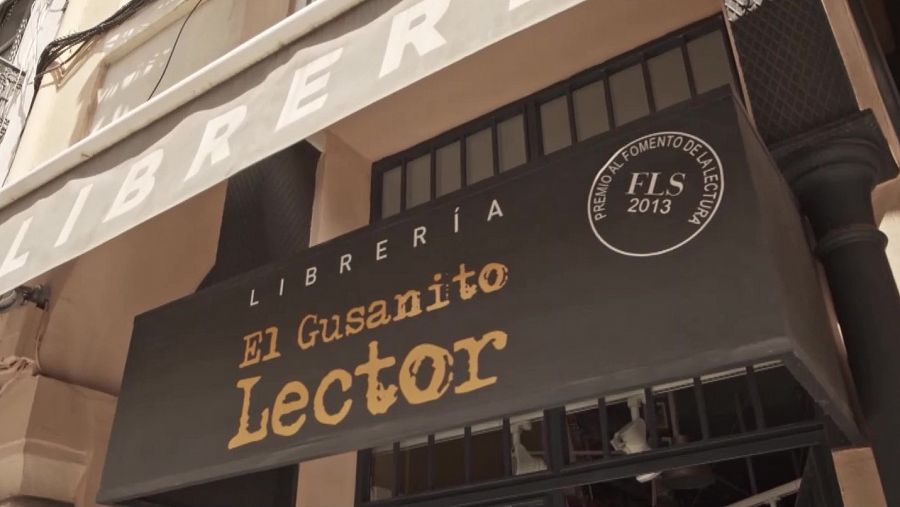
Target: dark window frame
<point>759,431</point>
<point>809,434</point>
<point>529,107</point>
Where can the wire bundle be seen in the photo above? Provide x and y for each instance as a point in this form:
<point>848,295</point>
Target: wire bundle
<point>57,48</point>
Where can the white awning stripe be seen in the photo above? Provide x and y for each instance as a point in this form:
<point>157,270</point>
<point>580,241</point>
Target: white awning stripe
<point>256,100</point>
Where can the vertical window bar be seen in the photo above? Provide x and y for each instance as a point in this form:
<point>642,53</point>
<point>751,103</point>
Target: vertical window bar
<point>701,408</point>
<point>692,85</point>
<point>604,427</point>
<point>795,463</point>
<point>729,52</point>
<point>570,105</point>
<point>748,462</point>
<point>609,105</point>
<point>363,476</point>
<point>648,86</point>
<point>463,179</point>
<point>397,487</point>
<point>526,124</point>
<point>755,399</point>
<point>495,147</point>
<point>506,447</point>
<point>430,463</point>
<point>555,443</point>
<point>375,204</point>
<point>650,417</point>
<point>533,130</point>
<point>433,155</point>
<point>467,453</point>
<point>403,185</point>
<point>751,475</point>
<point>826,475</point>
<point>555,499</point>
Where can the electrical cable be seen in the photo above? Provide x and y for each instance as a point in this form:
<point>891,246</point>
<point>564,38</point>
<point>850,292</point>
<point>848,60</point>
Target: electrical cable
<point>172,51</point>
<point>55,49</point>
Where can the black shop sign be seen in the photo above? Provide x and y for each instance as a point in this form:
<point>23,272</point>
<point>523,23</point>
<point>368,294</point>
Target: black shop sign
<point>657,252</point>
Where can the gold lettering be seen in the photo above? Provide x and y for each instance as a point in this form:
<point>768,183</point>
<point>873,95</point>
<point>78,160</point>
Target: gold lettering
<point>326,338</point>
<point>493,277</point>
<point>441,377</point>
<point>356,321</point>
<point>466,290</point>
<point>272,333</point>
<point>473,349</point>
<point>322,415</point>
<point>408,305</point>
<point>244,435</point>
<point>378,397</point>
<point>304,339</point>
<point>378,314</point>
<point>251,349</point>
<point>440,294</point>
<point>284,407</point>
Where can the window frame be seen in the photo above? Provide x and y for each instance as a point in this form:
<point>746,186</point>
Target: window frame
<point>530,105</point>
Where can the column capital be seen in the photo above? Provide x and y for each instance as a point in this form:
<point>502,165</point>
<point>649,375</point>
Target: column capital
<point>851,148</point>
<point>832,171</point>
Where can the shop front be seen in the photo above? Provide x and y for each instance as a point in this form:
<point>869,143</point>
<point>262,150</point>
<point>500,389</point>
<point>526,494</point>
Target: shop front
<point>497,260</point>
<point>660,264</point>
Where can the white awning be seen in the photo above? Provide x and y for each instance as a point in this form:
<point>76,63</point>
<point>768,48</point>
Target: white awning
<point>322,64</point>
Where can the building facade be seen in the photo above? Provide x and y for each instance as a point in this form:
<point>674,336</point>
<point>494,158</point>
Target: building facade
<point>224,192</point>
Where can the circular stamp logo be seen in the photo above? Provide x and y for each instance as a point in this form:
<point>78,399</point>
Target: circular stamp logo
<point>656,194</point>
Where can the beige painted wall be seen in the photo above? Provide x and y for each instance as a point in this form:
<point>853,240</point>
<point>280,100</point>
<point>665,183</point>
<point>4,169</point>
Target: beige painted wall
<point>858,478</point>
<point>65,411</point>
<point>64,111</point>
<point>341,204</point>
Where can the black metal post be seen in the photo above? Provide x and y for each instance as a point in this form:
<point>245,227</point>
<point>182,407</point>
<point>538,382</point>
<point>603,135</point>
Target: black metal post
<point>833,172</point>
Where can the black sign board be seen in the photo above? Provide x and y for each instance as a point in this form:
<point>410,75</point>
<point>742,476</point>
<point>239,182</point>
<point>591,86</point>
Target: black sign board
<point>664,250</point>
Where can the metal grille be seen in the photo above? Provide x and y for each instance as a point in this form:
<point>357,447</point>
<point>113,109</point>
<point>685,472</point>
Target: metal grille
<point>569,452</point>
<point>11,80</point>
<point>792,68</point>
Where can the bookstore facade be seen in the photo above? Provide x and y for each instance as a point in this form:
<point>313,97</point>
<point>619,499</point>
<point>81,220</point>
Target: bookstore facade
<point>557,254</point>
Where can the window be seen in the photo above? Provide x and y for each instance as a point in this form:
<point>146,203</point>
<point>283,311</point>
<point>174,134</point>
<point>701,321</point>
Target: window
<point>133,75</point>
<point>448,169</point>
<point>479,156</point>
<point>702,417</point>
<point>629,94</point>
<point>556,133</point>
<point>13,18</point>
<point>591,115</point>
<point>511,142</point>
<point>659,75</point>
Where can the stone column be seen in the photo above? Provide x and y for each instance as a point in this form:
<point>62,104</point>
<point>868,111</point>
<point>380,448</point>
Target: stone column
<point>833,171</point>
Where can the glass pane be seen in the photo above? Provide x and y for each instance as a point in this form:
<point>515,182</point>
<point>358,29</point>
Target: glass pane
<point>629,96</point>
<point>668,78</point>
<point>555,125</point>
<point>418,181</point>
<point>448,170</point>
<point>709,61</point>
<point>390,192</point>
<point>528,447</point>
<point>511,142</point>
<point>479,157</point>
<point>382,475</point>
<point>591,117</point>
